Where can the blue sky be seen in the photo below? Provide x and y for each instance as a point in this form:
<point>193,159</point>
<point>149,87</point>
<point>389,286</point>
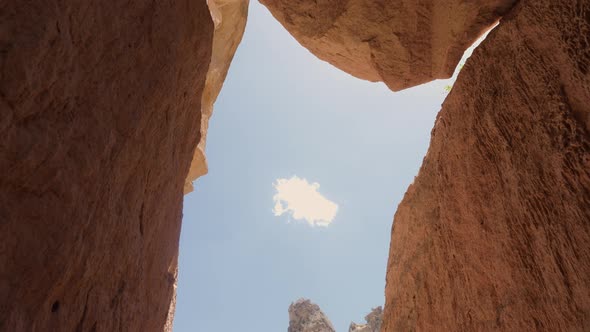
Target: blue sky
<point>282,112</point>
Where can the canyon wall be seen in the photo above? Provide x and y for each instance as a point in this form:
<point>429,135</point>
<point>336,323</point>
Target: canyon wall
<point>99,117</point>
<point>104,105</point>
<point>402,43</point>
<point>493,234</point>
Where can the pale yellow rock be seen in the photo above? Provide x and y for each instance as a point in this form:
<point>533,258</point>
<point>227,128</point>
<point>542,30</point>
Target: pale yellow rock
<point>229,17</point>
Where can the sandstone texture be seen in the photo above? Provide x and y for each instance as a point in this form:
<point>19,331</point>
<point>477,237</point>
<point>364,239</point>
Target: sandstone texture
<point>305,316</point>
<point>374,320</point>
<point>229,17</point>
<point>494,232</point>
<point>99,117</point>
<point>402,43</point>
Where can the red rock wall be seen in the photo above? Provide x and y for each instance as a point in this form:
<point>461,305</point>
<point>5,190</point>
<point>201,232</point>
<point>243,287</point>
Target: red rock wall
<point>99,119</point>
<point>494,234</point>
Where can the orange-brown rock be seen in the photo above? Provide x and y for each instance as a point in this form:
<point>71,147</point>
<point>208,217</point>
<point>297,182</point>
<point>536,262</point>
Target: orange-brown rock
<point>99,118</point>
<point>494,233</point>
<point>402,43</point>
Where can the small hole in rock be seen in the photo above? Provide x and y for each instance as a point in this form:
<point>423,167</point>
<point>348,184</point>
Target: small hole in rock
<point>55,306</point>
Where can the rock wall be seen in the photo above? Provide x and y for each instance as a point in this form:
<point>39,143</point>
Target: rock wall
<point>402,43</point>
<point>493,234</point>
<point>99,117</point>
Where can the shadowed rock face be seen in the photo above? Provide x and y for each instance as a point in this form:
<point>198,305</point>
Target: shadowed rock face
<point>494,232</point>
<point>402,43</point>
<point>99,118</point>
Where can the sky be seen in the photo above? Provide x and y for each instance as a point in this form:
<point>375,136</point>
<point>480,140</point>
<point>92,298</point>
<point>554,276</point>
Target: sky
<point>307,165</point>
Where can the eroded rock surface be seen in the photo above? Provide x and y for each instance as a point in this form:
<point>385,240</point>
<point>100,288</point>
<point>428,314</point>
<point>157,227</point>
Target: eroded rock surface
<point>374,320</point>
<point>305,316</point>
<point>229,17</point>
<point>402,43</point>
<point>494,232</point>
<point>99,117</point>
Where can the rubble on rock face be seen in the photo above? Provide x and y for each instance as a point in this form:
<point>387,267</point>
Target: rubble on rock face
<point>402,43</point>
<point>305,316</point>
<point>493,234</point>
<point>374,320</point>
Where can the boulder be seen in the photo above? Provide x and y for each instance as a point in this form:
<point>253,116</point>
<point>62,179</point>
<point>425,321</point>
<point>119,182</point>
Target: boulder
<point>403,43</point>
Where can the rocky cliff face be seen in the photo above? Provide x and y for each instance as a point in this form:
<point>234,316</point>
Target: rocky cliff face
<point>305,316</point>
<point>99,117</point>
<point>402,43</point>
<point>374,320</point>
<point>494,232</point>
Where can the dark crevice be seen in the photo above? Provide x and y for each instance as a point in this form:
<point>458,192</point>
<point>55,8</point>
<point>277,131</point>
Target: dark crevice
<point>55,307</point>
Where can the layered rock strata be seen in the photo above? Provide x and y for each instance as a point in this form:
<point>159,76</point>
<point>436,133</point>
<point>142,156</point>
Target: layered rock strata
<point>402,43</point>
<point>99,117</point>
<point>493,234</point>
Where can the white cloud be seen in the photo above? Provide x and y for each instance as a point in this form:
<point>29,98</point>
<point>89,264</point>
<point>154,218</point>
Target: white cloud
<point>303,201</point>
